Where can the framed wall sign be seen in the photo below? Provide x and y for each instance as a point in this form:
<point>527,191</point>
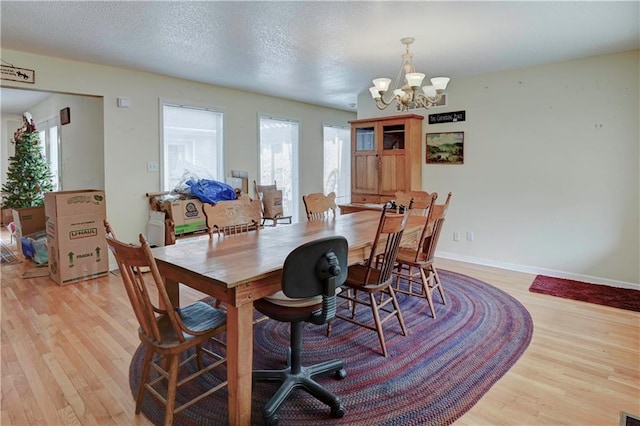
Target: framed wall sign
<point>65,116</point>
<point>23,75</point>
<point>447,117</point>
<point>445,148</point>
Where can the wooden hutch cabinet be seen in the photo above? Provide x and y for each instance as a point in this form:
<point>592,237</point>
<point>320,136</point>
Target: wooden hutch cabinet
<point>386,156</point>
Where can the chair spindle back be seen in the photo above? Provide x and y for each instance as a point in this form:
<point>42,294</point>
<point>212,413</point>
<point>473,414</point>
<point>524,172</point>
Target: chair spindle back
<point>391,226</point>
<point>319,206</point>
<point>435,222</point>
<point>133,261</point>
<point>421,201</point>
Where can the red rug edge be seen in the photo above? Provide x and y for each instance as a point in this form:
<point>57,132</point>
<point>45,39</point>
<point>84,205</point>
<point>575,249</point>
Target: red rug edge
<point>599,294</point>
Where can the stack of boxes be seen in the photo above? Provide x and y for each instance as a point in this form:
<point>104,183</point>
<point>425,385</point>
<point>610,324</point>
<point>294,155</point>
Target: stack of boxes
<point>76,235</point>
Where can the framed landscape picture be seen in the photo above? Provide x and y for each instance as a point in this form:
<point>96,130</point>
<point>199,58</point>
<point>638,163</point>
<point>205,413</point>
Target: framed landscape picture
<point>445,148</point>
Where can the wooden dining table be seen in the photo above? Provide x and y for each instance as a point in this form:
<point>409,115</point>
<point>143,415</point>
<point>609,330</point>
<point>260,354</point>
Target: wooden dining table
<point>240,269</point>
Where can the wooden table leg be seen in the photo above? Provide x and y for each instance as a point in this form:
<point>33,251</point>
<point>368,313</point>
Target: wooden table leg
<point>240,362</point>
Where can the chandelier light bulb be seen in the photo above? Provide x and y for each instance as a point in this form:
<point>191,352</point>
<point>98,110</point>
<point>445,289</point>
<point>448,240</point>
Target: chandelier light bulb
<point>382,84</point>
<point>374,92</point>
<point>414,79</point>
<point>430,91</point>
<point>440,83</point>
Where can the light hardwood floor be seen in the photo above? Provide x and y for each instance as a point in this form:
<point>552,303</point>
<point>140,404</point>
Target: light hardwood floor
<point>65,354</point>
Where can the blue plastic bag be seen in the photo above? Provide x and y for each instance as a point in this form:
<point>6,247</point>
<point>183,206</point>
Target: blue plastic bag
<point>211,191</point>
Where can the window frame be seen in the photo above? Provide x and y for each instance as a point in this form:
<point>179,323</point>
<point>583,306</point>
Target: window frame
<point>45,126</point>
<point>340,199</point>
<point>162,102</point>
<point>295,166</point>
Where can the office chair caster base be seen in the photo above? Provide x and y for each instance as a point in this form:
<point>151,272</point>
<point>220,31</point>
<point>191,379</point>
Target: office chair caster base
<point>337,412</point>
<point>271,420</point>
<point>340,374</point>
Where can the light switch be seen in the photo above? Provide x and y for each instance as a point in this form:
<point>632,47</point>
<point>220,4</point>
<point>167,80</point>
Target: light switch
<point>152,166</point>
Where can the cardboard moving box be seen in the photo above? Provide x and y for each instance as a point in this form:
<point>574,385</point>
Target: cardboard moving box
<point>34,247</point>
<point>76,235</point>
<point>188,216</point>
<point>7,216</point>
<point>28,220</point>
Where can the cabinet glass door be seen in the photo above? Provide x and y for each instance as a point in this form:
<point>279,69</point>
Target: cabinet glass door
<point>365,140</point>
<point>393,136</point>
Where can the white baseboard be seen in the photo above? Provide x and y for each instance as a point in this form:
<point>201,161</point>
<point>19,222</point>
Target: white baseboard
<point>539,271</point>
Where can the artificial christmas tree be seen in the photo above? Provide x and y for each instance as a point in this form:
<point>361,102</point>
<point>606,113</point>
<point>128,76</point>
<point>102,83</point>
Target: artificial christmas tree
<point>28,175</point>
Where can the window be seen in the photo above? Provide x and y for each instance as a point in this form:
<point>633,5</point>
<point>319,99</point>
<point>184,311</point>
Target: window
<point>191,145</point>
<point>48,133</point>
<point>337,162</point>
<point>279,160</point>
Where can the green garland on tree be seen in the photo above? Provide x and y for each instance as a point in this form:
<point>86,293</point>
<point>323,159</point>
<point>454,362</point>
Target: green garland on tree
<point>28,175</point>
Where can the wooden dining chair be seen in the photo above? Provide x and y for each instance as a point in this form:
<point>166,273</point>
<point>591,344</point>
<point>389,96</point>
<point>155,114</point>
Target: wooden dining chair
<point>310,276</point>
<point>167,331</point>
<point>233,217</point>
<point>271,198</point>
<point>319,206</point>
<point>415,265</point>
<point>369,283</point>
<point>421,201</point>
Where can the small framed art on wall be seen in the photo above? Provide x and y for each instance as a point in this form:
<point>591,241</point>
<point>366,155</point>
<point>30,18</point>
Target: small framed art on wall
<point>445,148</point>
<point>65,116</point>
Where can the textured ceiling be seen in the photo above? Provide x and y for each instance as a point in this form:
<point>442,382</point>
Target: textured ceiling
<point>318,52</point>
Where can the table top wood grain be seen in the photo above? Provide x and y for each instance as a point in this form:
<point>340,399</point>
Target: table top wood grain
<point>234,260</point>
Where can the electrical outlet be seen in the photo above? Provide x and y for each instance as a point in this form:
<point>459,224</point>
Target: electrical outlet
<point>152,166</point>
<point>456,236</point>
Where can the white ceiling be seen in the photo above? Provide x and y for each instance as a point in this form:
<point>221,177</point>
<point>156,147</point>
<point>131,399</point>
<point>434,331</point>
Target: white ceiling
<point>321,52</point>
<point>16,101</point>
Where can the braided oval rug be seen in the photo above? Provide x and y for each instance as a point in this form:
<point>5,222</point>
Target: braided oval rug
<point>431,377</point>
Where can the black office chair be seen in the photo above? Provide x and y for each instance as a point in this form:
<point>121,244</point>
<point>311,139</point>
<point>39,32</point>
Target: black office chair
<point>310,276</point>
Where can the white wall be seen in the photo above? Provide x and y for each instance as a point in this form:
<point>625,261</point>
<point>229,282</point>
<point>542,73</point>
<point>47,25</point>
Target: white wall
<point>81,141</point>
<point>550,181</point>
<point>131,135</point>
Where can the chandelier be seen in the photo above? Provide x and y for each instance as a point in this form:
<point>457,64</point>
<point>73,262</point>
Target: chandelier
<point>409,95</point>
